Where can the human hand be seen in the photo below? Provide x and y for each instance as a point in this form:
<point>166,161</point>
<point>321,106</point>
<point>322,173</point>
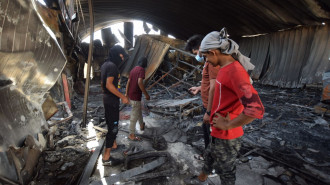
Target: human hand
<point>206,118</point>
<point>221,122</point>
<point>147,97</point>
<point>125,100</point>
<point>194,90</point>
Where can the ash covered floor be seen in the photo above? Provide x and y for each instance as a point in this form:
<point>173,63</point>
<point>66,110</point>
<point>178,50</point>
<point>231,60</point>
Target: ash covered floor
<point>288,146</point>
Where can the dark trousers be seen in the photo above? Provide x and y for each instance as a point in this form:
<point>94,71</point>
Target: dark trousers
<point>111,112</point>
<point>206,131</point>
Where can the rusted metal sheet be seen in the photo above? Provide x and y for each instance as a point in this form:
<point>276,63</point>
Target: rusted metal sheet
<point>30,63</point>
<point>154,50</point>
<point>49,107</point>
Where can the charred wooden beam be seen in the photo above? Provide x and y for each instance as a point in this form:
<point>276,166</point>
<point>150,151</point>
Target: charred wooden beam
<point>84,178</point>
<point>90,55</point>
<point>100,129</point>
<point>187,112</point>
<point>126,175</point>
<point>164,173</point>
<point>145,155</point>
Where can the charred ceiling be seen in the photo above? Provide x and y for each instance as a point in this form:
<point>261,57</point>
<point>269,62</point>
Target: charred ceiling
<point>241,17</point>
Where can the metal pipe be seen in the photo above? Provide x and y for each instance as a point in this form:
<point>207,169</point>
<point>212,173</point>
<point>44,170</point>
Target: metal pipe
<point>90,55</point>
<point>161,78</point>
<point>182,51</point>
<point>61,120</point>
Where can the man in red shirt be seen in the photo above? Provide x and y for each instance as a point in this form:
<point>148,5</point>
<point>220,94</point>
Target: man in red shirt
<point>134,89</point>
<point>207,87</point>
<point>231,109</point>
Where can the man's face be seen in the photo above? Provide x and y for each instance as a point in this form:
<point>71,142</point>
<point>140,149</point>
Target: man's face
<point>210,57</point>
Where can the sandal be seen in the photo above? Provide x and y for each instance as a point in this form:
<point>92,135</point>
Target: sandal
<point>135,138</point>
<point>199,157</point>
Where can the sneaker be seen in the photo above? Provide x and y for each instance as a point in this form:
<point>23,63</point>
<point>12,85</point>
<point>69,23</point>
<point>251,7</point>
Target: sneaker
<point>194,181</point>
<point>111,162</point>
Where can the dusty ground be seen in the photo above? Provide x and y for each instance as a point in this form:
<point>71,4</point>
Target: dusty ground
<point>288,146</point>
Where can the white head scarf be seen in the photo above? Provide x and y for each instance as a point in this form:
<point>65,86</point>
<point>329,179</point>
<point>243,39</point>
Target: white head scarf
<point>220,40</point>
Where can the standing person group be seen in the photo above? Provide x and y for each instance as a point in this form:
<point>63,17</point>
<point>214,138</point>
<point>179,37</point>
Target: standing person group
<point>229,101</point>
<point>235,103</point>
<point>109,83</point>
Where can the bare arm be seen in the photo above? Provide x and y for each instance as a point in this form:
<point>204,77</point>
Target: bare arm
<point>206,118</point>
<point>211,94</point>
<point>226,124</point>
<point>127,87</point>
<point>114,90</point>
<point>141,85</point>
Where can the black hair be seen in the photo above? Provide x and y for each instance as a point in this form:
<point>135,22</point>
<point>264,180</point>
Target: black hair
<point>143,62</point>
<point>194,42</point>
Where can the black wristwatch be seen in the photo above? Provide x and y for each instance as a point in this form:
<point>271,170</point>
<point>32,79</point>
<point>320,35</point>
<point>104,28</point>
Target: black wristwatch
<point>208,113</point>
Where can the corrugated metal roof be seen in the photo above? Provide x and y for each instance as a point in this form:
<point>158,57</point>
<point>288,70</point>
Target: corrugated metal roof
<point>150,48</point>
<point>290,58</point>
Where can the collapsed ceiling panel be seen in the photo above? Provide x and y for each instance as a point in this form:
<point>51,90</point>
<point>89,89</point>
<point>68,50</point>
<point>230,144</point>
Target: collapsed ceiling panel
<point>30,63</point>
<point>147,47</point>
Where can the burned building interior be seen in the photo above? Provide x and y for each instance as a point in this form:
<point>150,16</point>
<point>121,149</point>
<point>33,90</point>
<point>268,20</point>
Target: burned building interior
<point>52,125</point>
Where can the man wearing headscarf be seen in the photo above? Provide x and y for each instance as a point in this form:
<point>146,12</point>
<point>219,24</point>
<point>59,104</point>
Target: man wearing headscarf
<point>111,95</point>
<point>134,90</point>
<point>229,111</point>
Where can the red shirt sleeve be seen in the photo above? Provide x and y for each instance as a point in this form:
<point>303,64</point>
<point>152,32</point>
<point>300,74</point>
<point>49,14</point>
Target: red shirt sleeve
<point>248,96</point>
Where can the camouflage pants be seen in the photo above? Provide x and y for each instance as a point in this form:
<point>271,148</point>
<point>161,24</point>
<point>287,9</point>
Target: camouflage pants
<point>221,155</point>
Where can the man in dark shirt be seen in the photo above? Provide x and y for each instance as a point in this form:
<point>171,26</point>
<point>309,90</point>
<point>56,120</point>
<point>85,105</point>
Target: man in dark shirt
<point>134,89</point>
<point>111,95</point>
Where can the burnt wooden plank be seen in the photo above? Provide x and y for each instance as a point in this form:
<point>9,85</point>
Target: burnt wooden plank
<point>84,178</point>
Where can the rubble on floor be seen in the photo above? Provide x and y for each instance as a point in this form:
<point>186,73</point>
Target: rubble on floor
<point>288,146</point>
